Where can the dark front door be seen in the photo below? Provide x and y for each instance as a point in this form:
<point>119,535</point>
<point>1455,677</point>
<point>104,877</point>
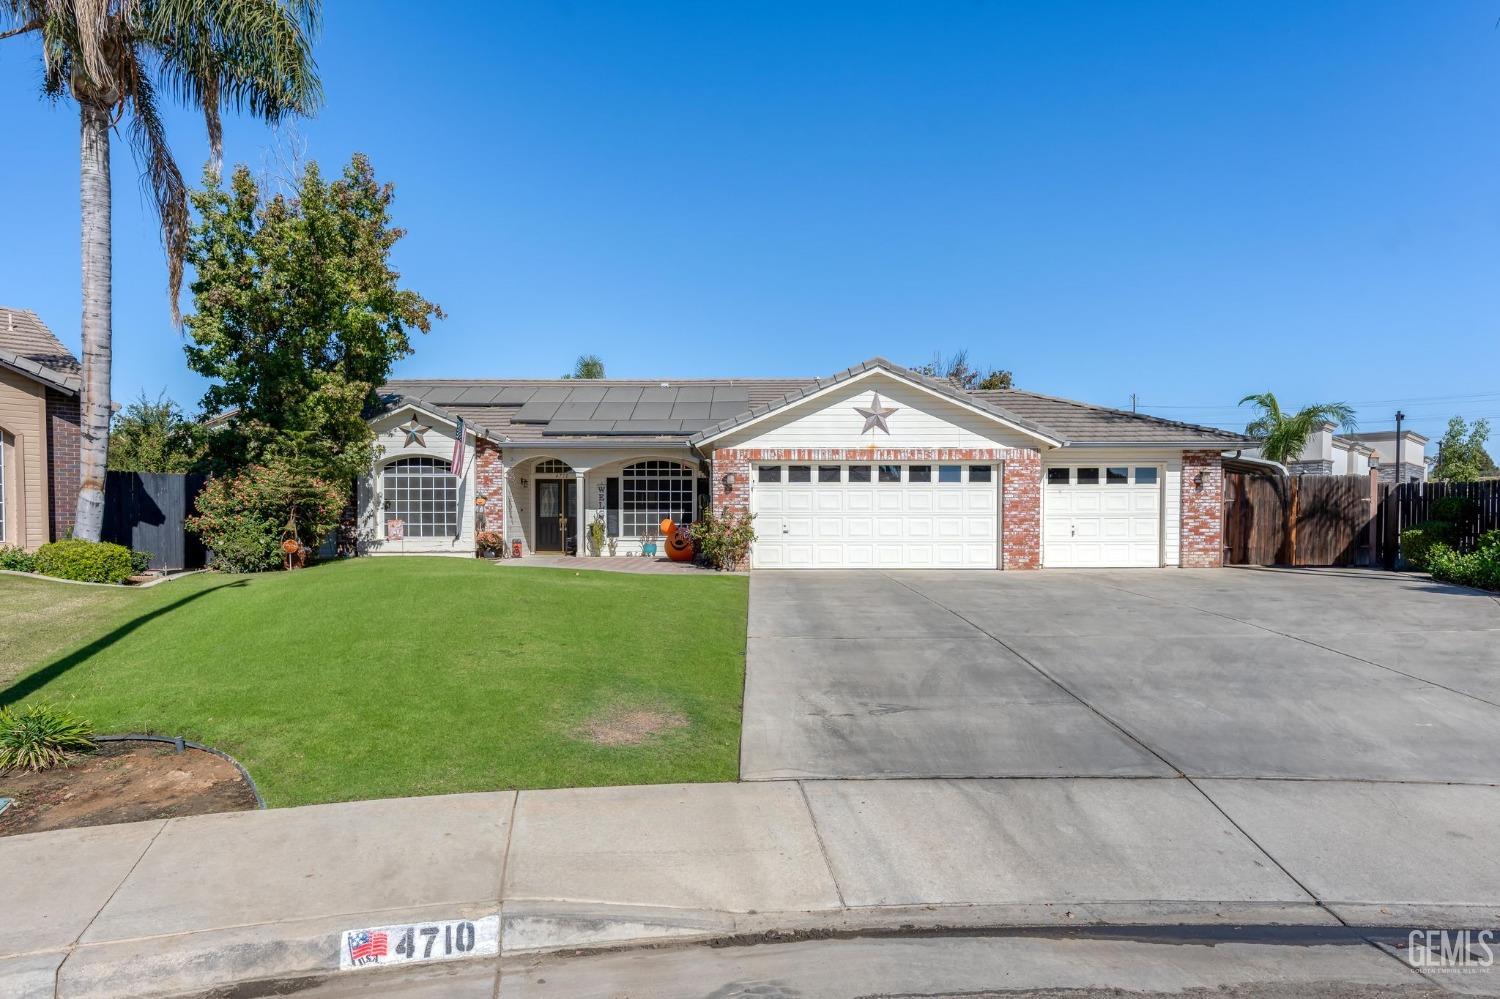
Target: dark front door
<point>556,514</point>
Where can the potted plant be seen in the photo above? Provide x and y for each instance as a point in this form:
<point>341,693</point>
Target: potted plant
<point>596,535</point>
<point>489,544</point>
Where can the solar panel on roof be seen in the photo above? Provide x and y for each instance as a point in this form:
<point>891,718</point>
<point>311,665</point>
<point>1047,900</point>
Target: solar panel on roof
<point>551,393</point>
<point>652,411</point>
<point>731,393</point>
<point>614,410</point>
<point>695,393</point>
<point>586,393</point>
<point>514,395</point>
<point>536,411</point>
<point>690,411</point>
<point>659,394</point>
<point>576,409</point>
<point>724,410</point>
<point>559,427</point>
<point>649,426</point>
<point>623,393</point>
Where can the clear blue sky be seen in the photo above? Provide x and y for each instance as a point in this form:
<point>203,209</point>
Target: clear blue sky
<point>1185,201</point>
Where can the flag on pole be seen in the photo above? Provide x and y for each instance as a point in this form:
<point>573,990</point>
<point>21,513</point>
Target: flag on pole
<point>458,449</point>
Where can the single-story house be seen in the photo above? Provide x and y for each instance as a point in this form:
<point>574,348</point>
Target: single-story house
<point>39,387</point>
<point>874,467</point>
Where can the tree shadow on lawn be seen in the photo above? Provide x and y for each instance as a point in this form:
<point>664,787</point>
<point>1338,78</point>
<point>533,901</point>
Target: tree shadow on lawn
<point>32,682</point>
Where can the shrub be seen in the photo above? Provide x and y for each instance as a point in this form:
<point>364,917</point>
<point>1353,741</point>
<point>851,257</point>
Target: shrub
<point>140,562</point>
<point>1454,509</point>
<point>1417,542</point>
<point>724,540</point>
<point>244,518</point>
<point>40,736</point>
<point>490,543</point>
<point>87,561</point>
<point>17,559</point>
<point>597,531</point>
<point>1479,568</point>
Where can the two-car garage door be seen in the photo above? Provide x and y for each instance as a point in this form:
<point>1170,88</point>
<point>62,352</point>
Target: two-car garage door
<point>887,516</point>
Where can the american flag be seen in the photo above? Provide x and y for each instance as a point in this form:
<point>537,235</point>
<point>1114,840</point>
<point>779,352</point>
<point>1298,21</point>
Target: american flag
<point>366,944</point>
<point>458,449</point>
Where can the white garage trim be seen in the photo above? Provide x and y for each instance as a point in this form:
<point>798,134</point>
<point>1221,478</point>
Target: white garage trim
<point>879,515</point>
<point>1104,513</point>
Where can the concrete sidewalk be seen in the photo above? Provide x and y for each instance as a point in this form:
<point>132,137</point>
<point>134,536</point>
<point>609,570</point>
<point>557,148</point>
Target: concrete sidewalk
<point>179,906</point>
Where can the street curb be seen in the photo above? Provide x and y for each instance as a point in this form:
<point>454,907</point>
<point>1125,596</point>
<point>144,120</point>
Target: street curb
<point>295,950</point>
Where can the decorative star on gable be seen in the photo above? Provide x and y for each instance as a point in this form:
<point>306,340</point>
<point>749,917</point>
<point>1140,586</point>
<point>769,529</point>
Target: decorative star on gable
<point>876,415</point>
<point>415,433</point>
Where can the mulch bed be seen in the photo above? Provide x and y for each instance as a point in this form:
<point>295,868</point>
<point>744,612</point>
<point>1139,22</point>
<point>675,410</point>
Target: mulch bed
<point>123,782</point>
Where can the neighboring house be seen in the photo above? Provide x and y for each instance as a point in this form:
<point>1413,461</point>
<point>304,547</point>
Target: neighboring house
<point>1328,453</point>
<point>1405,461</point>
<point>874,467</point>
<point>39,386</point>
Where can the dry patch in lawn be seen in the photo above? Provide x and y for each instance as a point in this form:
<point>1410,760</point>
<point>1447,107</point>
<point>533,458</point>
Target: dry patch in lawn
<point>630,726</point>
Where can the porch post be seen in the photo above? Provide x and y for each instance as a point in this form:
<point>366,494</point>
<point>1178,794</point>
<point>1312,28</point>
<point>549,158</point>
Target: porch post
<point>580,527</point>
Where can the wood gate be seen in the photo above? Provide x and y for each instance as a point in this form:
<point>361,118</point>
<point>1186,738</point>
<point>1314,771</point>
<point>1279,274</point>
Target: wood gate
<point>1300,520</point>
<point>146,510</point>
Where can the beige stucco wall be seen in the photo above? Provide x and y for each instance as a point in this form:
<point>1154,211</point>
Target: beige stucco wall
<point>23,449</point>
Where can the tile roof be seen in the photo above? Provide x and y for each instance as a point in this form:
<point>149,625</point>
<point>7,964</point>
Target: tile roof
<point>28,346</point>
<point>1084,423</point>
<point>686,411</point>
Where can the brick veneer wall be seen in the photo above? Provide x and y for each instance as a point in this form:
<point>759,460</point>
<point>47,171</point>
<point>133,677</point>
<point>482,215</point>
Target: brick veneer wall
<point>1021,517</point>
<point>62,461</point>
<point>1202,538</point>
<point>489,479</point>
<point>1319,466</point>
<point>1021,545</point>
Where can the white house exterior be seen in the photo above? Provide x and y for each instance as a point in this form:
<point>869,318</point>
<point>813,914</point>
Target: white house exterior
<point>874,467</point>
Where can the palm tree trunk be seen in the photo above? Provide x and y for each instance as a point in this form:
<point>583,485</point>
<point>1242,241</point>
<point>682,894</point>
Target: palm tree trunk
<point>94,197</point>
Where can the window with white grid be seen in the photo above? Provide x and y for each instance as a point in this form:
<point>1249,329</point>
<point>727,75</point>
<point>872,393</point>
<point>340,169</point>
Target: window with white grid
<point>651,491</point>
<point>424,493</point>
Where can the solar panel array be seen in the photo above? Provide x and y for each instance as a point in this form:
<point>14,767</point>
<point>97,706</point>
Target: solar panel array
<point>612,409</point>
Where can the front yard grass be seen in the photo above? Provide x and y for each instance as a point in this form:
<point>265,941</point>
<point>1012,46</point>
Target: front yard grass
<point>398,676</point>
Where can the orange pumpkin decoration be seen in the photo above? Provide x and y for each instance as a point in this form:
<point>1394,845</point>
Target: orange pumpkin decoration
<point>680,543</point>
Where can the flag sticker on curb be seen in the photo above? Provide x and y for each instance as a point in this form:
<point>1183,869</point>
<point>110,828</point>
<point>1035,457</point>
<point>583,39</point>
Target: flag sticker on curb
<point>405,943</point>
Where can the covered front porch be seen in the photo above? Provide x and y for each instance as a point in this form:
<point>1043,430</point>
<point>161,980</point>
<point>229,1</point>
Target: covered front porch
<point>555,492</point>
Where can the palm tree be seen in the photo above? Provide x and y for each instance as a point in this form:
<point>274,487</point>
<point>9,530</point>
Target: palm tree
<point>1282,437</point>
<point>113,57</point>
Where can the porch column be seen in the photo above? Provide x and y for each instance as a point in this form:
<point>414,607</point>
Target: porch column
<point>581,518</point>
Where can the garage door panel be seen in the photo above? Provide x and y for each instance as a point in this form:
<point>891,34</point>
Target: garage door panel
<point>876,524</point>
<point>1089,521</point>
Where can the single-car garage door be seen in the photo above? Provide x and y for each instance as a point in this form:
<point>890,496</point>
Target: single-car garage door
<point>892,516</point>
<point>1102,516</point>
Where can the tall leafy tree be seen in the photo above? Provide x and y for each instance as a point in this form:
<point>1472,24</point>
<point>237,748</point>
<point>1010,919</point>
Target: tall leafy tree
<point>1461,456</point>
<point>298,317</point>
<point>115,59</point>
<point>151,435</point>
<point>957,370</point>
<point>1282,435</point>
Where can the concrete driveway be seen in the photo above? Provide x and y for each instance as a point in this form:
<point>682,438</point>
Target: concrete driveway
<point>1333,674</point>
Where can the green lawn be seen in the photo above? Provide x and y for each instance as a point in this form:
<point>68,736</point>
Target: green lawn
<point>395,676</point>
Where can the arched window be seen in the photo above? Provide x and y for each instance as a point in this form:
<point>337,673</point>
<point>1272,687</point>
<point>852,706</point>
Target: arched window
<point>553,467</point>
<point>424,493</point>
<point>651,491</point>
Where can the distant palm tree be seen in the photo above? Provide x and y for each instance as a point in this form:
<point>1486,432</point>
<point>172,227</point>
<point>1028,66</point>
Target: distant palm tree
<point>1283,436</point>
<point>111,56</point>
<point>587,366</point>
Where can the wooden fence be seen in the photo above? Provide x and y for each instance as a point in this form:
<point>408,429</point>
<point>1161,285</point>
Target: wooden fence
<point>1411,503</point>
<point>1303,520</point>
<point>146,511</point>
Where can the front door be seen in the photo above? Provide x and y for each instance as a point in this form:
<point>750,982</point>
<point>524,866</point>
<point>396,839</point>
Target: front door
<point>556,514</point>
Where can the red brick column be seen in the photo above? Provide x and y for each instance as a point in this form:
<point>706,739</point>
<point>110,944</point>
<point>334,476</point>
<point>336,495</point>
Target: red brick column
<point>736,497</point>
<point>489,482</point>
<point>1021,516</point>
<point>62,461</point>
<point>1202,510</point>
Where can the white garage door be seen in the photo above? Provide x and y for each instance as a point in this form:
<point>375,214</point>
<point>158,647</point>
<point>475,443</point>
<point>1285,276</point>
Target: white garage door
<point>895,516</point>
<point>1102,516</point>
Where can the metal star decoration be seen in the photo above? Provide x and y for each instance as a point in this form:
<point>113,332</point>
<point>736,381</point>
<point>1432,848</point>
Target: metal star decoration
<point>415,433</point>
<point>876,415</point>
